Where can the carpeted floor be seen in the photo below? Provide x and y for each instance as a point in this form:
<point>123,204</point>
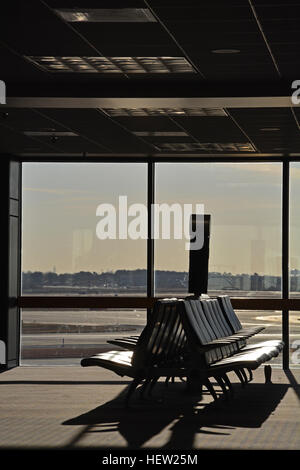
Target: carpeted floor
<point>78,408</point>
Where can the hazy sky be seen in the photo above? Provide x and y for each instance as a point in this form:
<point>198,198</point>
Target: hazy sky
<point>244,200</point>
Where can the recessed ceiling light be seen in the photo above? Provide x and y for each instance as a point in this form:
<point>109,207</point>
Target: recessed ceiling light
<point>119,112</point>
<point>106,15</point>
<point>225,51</point>
<point>269,129</point>
<point>49,133</point>
<point>160,134</point>
<point>205,146</point>
<point>125,65</point>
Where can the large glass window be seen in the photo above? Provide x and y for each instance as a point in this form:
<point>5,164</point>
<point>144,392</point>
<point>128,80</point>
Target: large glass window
<point>294,229</point>
<point>244,202</point>
<point>64,337</point>
<point>294,262</point>
<point>62,253</point>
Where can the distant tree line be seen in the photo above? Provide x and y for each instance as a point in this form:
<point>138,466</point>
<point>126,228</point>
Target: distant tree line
<point>137,278</point>
<point>119,278</point>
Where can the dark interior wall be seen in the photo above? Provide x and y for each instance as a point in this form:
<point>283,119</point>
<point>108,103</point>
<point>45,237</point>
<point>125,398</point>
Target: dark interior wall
<point>10,176</point>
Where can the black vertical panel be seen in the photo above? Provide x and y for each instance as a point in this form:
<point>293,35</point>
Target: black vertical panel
<point>150,241</point>
<point>4,214</point>
<point>285,260</point>
<point>198,268</point>
<point>10,270</point>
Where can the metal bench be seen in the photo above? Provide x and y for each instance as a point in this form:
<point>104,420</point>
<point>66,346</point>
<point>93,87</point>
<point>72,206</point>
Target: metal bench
<point>130,342</point>
<point>213,354</point>
<point>233,320</point>
<point>159,351</point>
<point>184,338</point>
<point>220,313</point>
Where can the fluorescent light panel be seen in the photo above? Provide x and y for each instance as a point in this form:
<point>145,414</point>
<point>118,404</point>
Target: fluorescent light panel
<point>51,134</point>
<point>194,146</point>
<point>118,112</point>
<point>269,129</point>
<point>226,51</point>
<point>125,65</point>
<point>106,15</point>
<point>160,134</point>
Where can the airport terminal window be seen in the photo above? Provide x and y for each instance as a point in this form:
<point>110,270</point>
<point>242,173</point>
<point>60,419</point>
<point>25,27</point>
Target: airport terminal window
<point>294,284</point>
<point>294,229</point>
<point>244,201</point>
<point>65,336</point>
<point>62,253</point>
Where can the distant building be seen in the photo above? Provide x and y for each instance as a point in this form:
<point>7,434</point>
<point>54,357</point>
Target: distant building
<point>256,282</point>
<point>244,282</point>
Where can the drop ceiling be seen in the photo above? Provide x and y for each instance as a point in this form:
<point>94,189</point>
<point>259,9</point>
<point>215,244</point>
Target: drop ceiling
<point>149,78</point>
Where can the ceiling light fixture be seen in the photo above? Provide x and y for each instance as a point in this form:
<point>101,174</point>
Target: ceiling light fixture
<point>225,51</point>
<point>120,112</point>
<point>160,134</point>
<point>205,147</point>
<point>269,129</point>
<point>106,15</point>
<point>125,65</point>
<point>50,133</point>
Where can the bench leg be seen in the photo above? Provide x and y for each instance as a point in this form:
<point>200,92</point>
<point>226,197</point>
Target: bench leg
<point>131,389</point>
<point>250,375</point>
<point>244,375</point>
<point>228,383</point>
<point>221,383</point>
<point>268,374</point>
<point>147,388</point>
<point>144,387</point>
<point>152,385</point>
<point>211,389</point>
<point>240,377</point>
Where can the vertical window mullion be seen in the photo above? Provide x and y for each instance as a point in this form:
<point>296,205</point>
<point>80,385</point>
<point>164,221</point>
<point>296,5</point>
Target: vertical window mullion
<point>285,258</point>
<point>150,241</point>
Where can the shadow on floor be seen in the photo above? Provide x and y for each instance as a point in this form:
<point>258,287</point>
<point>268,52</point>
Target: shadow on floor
<point>183,415</point>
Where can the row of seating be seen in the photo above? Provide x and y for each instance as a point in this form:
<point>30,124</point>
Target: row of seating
<point>159,351</point>
<point>192,338</point>
<point>208,332</point>
<point>231,323</point>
